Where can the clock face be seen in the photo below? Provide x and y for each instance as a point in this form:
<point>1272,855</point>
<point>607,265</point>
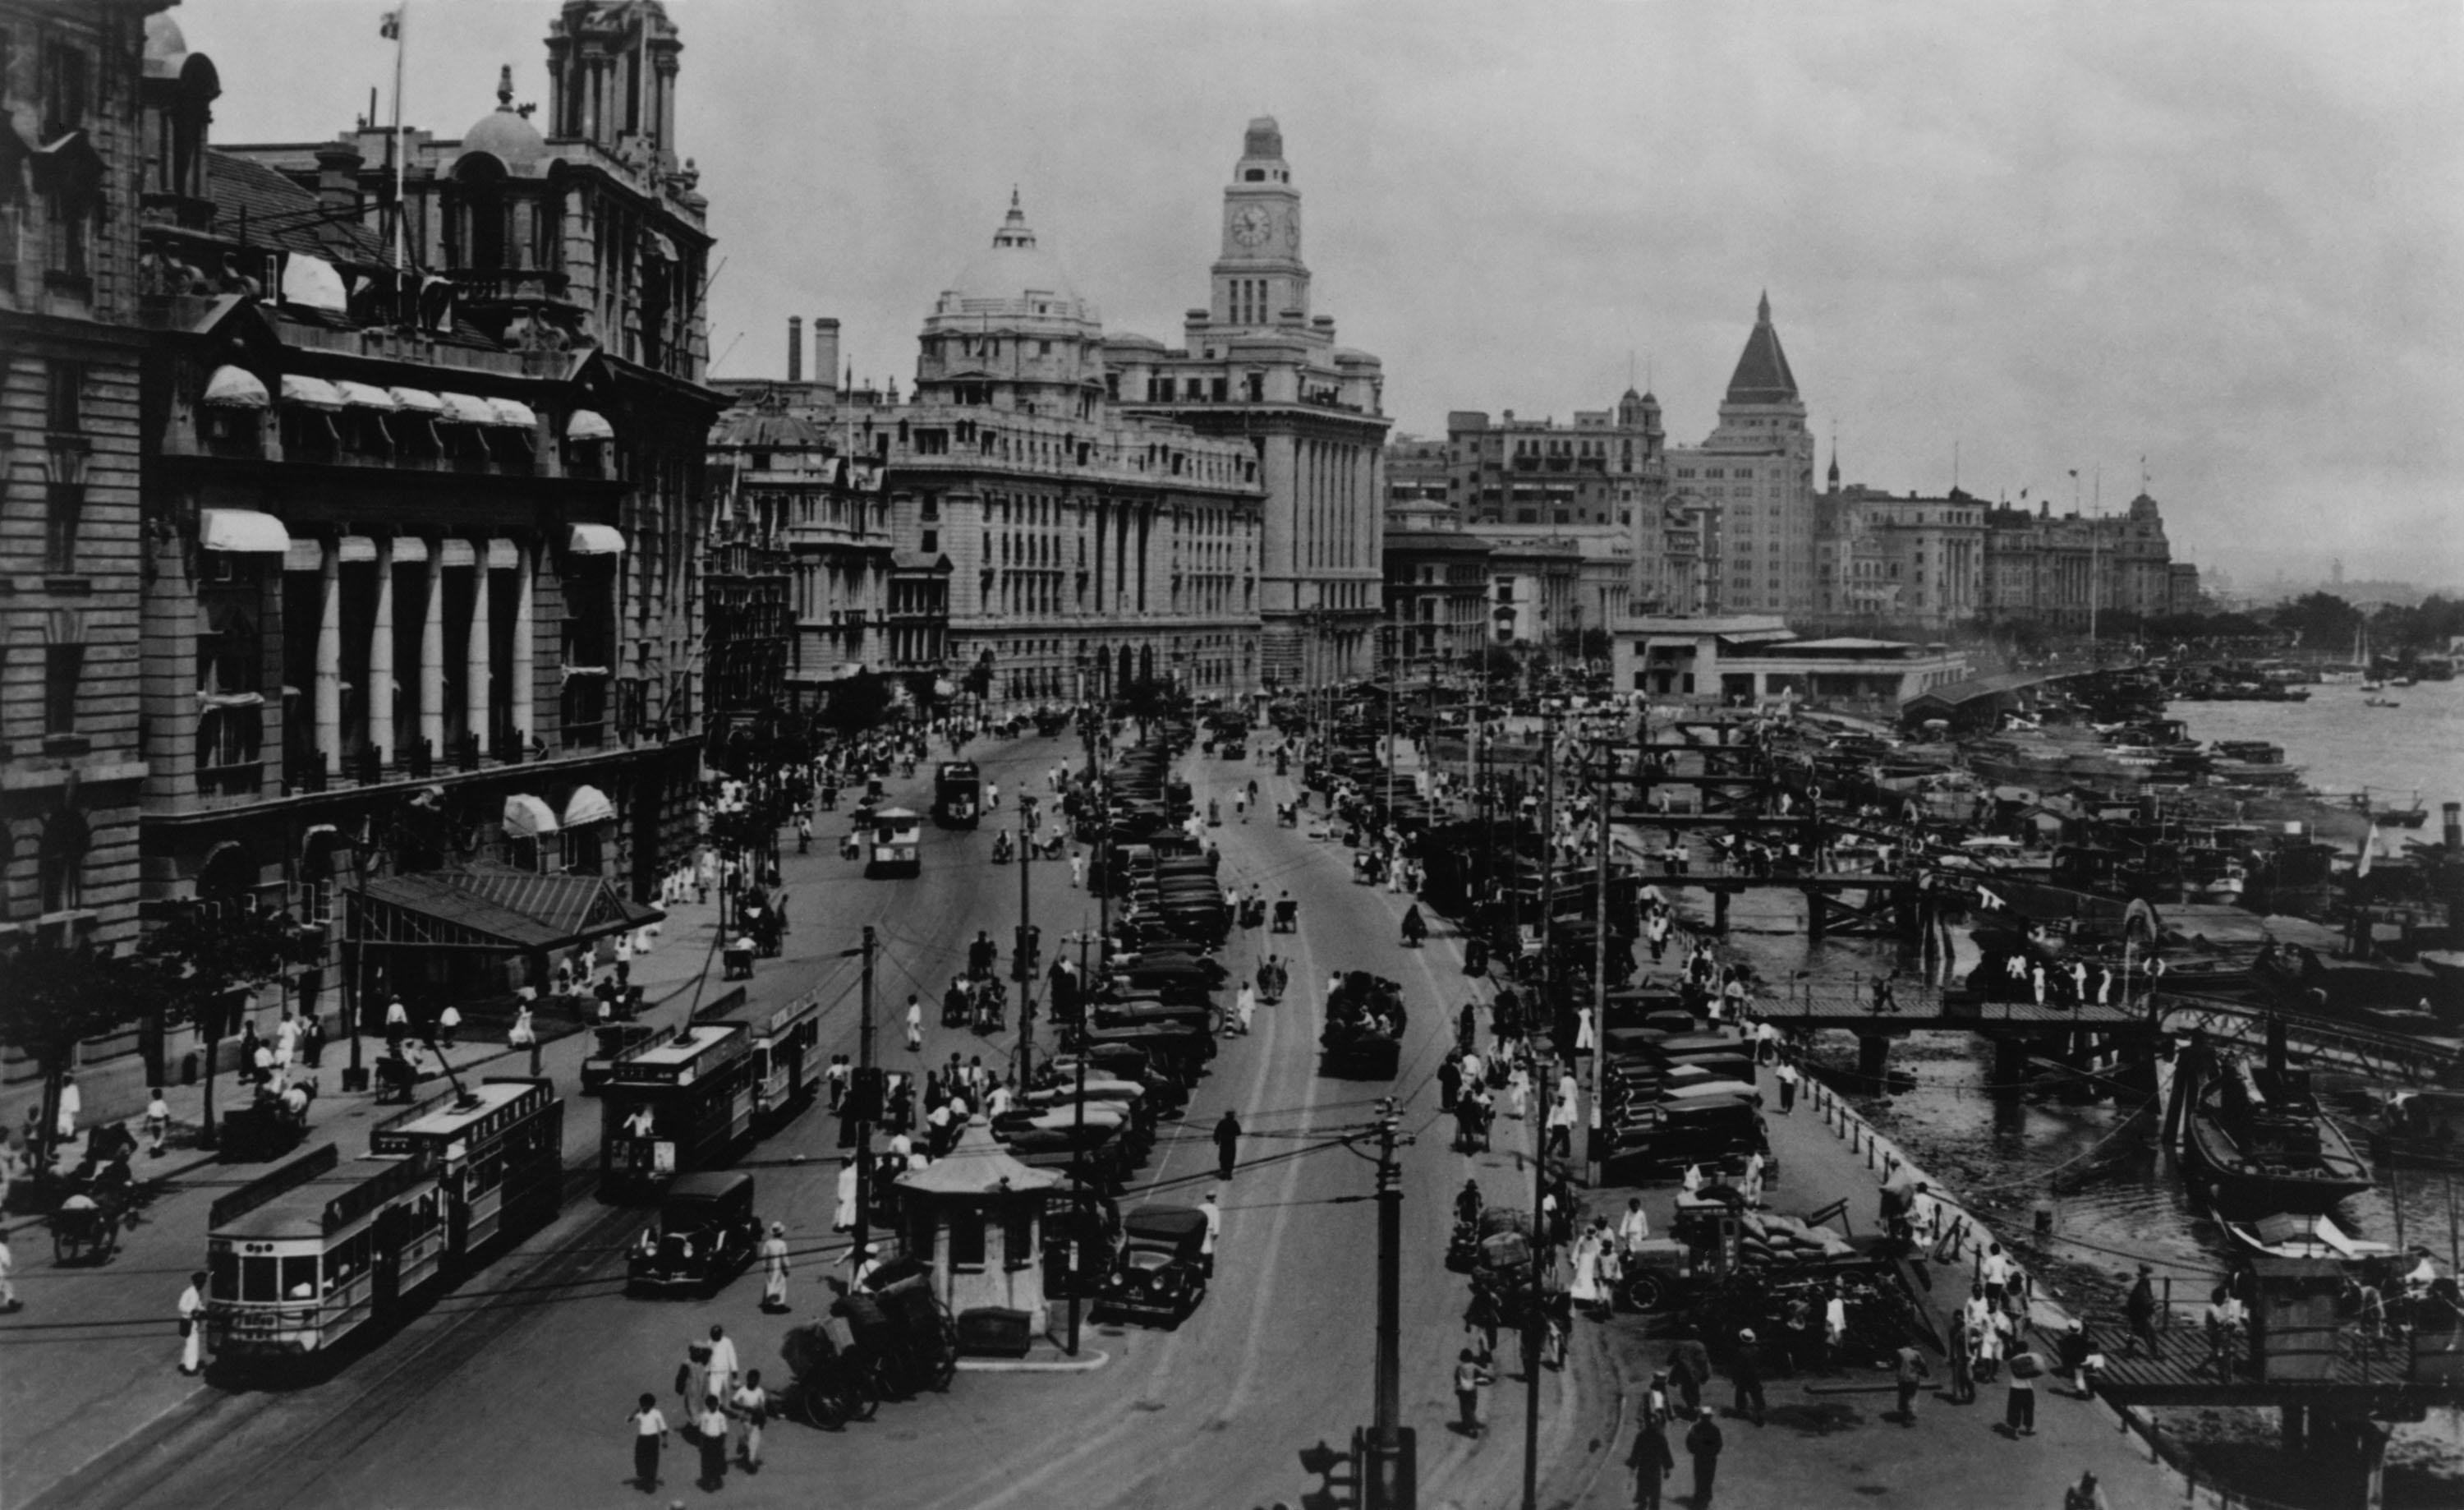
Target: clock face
<point>1292,230</point>
<point>1252,226</point>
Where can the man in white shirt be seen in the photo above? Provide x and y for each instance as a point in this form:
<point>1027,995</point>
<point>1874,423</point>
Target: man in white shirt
<point>192,1326</point>
<point>1214,1214</point>
<point>722,1361</point>
<point>1633,1228</point>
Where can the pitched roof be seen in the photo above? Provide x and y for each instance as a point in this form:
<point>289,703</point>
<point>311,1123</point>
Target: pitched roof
<point>277,211</point>
<point>978,1166</point>
<point>521,908</point>
<point>1763,375</point>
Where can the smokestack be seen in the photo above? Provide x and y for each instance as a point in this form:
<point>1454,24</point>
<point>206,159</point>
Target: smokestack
<point>796,348</point>
<point>2452,818</point>
<point>826,348</point>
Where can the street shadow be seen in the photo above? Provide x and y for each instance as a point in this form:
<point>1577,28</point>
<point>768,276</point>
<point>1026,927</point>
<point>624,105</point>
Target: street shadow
<point>1816,1417</point>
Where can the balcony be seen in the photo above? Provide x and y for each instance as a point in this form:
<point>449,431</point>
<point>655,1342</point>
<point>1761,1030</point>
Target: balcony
<point>511,286</point>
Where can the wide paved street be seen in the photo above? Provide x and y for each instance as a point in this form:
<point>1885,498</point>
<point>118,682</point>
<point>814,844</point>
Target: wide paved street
<point>515,1389</point>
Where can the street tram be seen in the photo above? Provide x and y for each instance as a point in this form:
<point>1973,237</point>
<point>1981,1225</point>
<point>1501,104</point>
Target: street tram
<point>958,796</point>
<point>897,846</point>
<point>786,1060</point>
<point>307,1255</point>
<point>498,1151</point>
<point>679,1102</point>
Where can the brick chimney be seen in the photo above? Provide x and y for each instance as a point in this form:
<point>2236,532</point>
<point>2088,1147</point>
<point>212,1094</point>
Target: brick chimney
<point>826,350</point>
<point>795,348</point>
<point>338,192</point>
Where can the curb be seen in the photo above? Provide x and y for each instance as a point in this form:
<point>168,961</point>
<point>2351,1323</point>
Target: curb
<point>1092,1359</point>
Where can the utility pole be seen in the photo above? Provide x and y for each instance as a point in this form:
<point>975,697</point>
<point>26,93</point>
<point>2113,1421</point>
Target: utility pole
<point>1597,1123</point>
<point>870,1094</point>
<point>1391,1476</point>
<point>1393,690</point>
<point>1022,959</point>
<point>1079,1201</point>
<point>1535,1327</point>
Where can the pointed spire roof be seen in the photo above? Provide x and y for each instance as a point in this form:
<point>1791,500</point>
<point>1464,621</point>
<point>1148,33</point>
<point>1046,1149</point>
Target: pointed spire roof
<point>1763,375</point>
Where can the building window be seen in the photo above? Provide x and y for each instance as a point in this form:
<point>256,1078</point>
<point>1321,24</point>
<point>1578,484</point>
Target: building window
<point>62,665</point>
<point>930,543</point>
<point>61,867</point>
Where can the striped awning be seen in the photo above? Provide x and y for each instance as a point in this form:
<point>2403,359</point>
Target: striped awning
<point>512,413</point>
<point>418,401</point>
<point>588,424</point>
<point>527,817</point>
<point>456,553</point>
<point>367,395</point>
<point>357,548</point>
<point>594,540</point>
<point>234,388</point>
<point>310,392</point>
<point>242,529</point>
<point>408,549</point>
<point>462,409</point>
<point>503,555</point>
<point>587,804</point>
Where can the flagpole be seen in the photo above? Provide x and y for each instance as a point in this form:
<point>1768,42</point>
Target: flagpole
<point>400,20</point>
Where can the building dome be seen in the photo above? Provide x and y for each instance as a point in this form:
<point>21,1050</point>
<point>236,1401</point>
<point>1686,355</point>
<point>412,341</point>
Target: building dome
<point>506,134</point>
<point>1265,139</point>
<point>1013,271</point>
<point>164,43</point>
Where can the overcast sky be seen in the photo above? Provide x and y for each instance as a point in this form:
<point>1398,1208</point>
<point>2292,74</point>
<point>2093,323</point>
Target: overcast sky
<point>2222,235</point>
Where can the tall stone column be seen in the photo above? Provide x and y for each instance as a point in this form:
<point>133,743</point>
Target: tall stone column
<point>329,657</point>
<point>521,669</point>
<point>431,654</point>
<point>380,692</point>
<point>474,677</point>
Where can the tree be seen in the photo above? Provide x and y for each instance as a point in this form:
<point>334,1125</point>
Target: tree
<point>1497,663</point>
<point>58,998</point>
<point>857,702</point>
<point>204,955</point>
<point>2320,621</point>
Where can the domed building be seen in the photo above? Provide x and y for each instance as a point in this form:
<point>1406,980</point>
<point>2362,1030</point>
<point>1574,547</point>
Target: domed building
<point>1075,548</point>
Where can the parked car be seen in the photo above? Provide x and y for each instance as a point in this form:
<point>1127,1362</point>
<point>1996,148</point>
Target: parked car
<point>1159,1274</point>
<point>706,1233</point>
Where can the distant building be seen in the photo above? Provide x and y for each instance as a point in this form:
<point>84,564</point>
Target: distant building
<point>1436,586</point>
<point>2062,571</point>
<point>1756,471</point>
<point>1256,367</point>
<point>1547,587</point>
<point>1046,541</point>
<point>1908,559</point>
<point>1747,657</point>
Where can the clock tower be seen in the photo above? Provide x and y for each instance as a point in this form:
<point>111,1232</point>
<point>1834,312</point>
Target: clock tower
<point>1260,278</point>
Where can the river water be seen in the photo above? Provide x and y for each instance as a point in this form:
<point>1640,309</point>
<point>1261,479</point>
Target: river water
<point>2117,1196</point>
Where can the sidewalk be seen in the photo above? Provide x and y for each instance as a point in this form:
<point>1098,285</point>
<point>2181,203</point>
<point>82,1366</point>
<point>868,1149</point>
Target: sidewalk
<point>1832,1440</point>
<point>90,1360</point>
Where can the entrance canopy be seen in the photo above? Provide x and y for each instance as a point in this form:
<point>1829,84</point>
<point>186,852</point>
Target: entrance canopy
<point>496,907</point>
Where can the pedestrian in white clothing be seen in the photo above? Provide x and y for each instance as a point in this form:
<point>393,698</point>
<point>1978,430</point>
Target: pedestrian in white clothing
<point>844,1219</point>
<point>914,1024</point>
<point>192,1324</point>
<point>72,1107</point>
<point>1247,1006</point>
<point>722,1361</point>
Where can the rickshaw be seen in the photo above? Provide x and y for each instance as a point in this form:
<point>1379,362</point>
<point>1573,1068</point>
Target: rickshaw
<point>1472,1118</point>
<point>828,1382</point>
<point>904,1335</point>
<point>85,1234</point>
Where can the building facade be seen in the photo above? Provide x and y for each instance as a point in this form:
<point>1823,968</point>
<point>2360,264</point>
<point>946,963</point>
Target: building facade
<point>1559,587</point>
<point>1605,468</point>
<point>1079,546</point>
<point>1756,470</point>
<point>1256,367</point>
<point>1437,587</point>
<point>2066,570</point>
<point>77,174</point>
<point>1910,559</point>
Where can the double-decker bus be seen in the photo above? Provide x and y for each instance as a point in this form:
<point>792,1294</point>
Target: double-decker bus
<point>307,1255</point>
<point>898,847</point>
<point>683,1102</point>
<point>958,796</point>
<point>786,1060</point>
<point>498,1151</point>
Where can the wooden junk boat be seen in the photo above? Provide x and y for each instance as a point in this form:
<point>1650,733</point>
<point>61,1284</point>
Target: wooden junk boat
<point>2257,1137</point>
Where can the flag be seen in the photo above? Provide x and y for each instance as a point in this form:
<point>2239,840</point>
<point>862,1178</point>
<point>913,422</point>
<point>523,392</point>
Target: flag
<point>2369,847</point>
<point>390,27</point>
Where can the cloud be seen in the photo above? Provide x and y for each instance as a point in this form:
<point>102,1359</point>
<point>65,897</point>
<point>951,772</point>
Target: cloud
<point>2225,235</point>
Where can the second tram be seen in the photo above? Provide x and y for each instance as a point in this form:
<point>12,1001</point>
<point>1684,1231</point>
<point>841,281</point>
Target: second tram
<point>679,1102</point>
<point>897,844</point>
<point>958,796</point>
